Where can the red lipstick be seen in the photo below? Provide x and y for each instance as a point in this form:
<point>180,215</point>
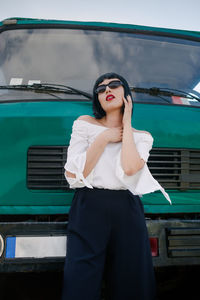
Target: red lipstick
<point>110,97</point>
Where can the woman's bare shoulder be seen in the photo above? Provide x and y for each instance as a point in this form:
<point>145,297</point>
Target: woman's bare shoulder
<point>87,118</point>
<point>84,118</point>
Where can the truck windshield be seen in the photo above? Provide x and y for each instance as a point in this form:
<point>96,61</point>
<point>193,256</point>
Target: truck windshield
<point>76,57</point>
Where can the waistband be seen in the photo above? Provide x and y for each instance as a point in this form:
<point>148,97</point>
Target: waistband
<point>106,191</point>
<point>101,189</point>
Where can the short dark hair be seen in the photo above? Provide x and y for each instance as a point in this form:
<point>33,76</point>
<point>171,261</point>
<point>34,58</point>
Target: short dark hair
<point>98,111</point>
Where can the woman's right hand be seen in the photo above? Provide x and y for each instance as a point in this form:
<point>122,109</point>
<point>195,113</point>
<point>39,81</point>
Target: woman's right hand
<point>113,135</point>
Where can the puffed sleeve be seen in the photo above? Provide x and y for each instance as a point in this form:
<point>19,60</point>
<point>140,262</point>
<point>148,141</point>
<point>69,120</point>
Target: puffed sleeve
<point>144,146</point>
<point>141,182</point>
<point>76,156</point>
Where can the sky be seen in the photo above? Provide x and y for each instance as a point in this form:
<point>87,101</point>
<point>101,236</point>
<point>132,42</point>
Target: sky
<point>179,14</point>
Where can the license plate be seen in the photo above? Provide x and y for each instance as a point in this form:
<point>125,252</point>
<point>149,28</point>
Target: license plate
<point>36,246</point>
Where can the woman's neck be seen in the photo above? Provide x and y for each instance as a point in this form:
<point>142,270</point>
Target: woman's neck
<point>112,120</point>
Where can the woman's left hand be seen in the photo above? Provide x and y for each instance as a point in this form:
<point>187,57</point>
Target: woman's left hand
<point>127,110</point>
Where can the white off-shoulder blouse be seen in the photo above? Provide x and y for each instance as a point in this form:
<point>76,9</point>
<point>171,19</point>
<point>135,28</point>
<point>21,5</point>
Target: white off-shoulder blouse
<point>108,172</point>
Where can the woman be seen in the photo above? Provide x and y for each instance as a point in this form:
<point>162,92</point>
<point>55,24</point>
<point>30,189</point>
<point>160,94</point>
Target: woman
<point>106,164</point>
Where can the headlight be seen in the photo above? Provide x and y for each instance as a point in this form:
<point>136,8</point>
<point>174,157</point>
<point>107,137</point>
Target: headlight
<point>1,245</point>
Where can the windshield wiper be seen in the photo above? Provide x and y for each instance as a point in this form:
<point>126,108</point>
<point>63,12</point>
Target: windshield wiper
<point>47,88</point>
<point>63,89</point>
<point>155,91</point>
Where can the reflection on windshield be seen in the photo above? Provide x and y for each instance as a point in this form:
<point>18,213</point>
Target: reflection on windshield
<point>77,57</point>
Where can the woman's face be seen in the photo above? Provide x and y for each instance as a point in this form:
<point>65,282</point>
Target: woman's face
<point>111,99</point>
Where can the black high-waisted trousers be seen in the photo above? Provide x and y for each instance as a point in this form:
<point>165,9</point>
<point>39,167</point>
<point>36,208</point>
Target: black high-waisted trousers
<point>107,226</point>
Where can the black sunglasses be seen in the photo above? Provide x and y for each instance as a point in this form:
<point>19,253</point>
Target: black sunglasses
<point>113,85</point>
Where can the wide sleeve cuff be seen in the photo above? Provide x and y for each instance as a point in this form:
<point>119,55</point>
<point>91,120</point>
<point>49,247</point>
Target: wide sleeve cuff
<point>76,157</point>
<point>76,166</point>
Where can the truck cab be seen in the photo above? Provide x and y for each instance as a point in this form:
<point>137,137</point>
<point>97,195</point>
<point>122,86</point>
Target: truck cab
<point>47,71</point>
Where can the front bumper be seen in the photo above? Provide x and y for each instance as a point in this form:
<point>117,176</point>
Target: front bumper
<point>41,246</point>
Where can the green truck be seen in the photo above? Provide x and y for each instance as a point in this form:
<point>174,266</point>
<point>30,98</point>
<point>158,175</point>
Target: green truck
<point>47,71</point>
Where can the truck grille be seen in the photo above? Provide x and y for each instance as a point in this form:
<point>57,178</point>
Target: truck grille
<point>176,168</point>
<point>173,168</point>
<point>183,242</point>
<point>45,168</point>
